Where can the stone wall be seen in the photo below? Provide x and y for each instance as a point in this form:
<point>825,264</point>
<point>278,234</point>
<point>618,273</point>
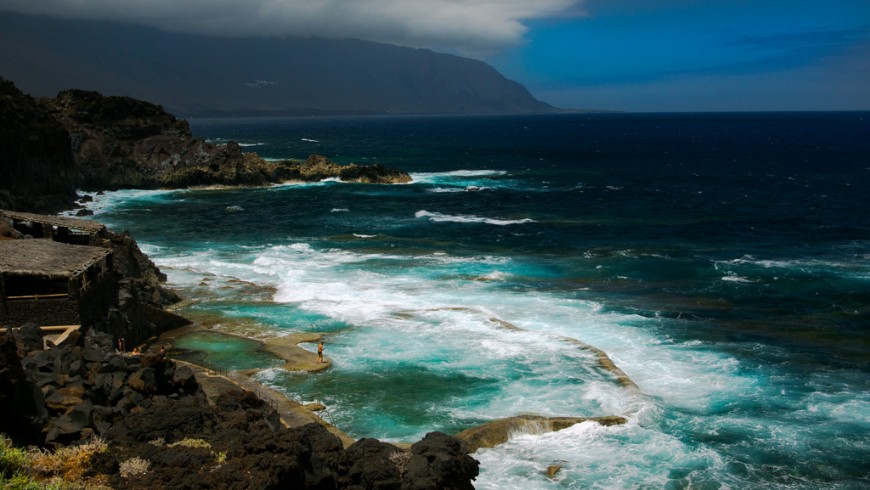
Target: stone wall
<point>98,298</point>
<point>51,311</point>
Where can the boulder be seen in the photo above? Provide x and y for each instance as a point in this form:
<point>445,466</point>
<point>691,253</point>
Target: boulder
<point>68,427</point>
<point>373,464</point>
<point>64,399</point>
<point>29,337</point>
<point>439,461</point>
<point>142,380</point>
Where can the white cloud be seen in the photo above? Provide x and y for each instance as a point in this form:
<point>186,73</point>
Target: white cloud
<point>463,25</point>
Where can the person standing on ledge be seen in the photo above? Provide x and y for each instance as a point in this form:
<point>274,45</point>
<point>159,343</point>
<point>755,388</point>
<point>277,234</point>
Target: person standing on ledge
<point>320,352</point>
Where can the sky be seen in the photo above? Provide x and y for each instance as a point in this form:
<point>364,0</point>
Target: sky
<point>629,55</point>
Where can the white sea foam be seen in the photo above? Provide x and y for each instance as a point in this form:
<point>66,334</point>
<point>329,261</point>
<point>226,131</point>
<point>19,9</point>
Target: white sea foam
<point>430,177</point>
<point>496,276</point>
<point>447,326</point>
<point>846,268</point>
<point>297,184</point>
<point>731,277</point>
<point>588,452</point>
<point>102,202</point>
<point>451,218</point>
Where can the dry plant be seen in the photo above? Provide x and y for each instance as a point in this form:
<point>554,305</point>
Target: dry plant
<point>400,459</point>
<point>69,463</point>
<point>220,457</point>
<point>134,466</point>
<point>188,442</point>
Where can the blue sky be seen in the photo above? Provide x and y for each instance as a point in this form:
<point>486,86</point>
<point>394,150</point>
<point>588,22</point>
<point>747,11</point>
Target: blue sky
<point>697,56</point>
<point>632,55</point>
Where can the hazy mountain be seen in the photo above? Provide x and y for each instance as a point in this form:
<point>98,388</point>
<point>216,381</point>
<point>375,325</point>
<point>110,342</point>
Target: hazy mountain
<point>200,75</point>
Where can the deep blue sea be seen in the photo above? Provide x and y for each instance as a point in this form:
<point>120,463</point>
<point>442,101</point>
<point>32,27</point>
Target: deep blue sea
<point>721,260</point>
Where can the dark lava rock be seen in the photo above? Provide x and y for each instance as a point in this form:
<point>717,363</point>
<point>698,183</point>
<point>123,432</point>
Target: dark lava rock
<point>440,461</point>
<point>149,408</point>
<point>37,168</point>
<point>374,464</point>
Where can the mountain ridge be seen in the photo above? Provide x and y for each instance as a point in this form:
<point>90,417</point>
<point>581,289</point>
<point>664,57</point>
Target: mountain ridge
<point>194,75</point>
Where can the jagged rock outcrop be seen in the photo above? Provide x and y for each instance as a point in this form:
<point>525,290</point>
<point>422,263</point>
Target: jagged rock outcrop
<point>119,142</point>
<point>82,139</point>
<point>139,313</point>
<point>499,431</point>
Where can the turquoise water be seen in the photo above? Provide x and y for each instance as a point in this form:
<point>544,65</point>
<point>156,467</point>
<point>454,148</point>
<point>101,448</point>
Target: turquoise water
<point>721,261</point>
<point>223,352</point>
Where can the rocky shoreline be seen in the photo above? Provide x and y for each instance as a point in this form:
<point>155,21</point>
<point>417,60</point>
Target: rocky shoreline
<point>146,406</point>
<point>151,413</point>
<point>149,408</point>
<point>49,148</point>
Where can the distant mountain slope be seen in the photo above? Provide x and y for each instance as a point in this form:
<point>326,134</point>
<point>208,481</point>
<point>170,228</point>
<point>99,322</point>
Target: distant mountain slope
<point>198,75</point>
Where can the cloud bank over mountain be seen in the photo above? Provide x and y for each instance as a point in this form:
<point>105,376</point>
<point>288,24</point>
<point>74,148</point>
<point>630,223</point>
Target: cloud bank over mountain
<point>464,26</point>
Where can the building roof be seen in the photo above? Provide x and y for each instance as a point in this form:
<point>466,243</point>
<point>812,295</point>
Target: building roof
<point>47,258</point>
<point>87,226</point>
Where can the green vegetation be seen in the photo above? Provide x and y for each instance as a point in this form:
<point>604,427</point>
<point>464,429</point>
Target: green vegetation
<point>62,469</point>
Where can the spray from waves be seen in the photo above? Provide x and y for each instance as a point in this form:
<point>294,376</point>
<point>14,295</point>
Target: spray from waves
<point>429,330</point>
<point>100,203</point>
<point>223,141</point>
<point>749,265</point>
<point>297,184</point>
<point>587,453</point>
<point>439,177</point>
<point>410,321</point>
<point>731,277</point>
<point>439,217</point>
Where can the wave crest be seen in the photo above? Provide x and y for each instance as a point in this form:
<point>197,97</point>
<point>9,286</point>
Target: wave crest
<point>461,218</point>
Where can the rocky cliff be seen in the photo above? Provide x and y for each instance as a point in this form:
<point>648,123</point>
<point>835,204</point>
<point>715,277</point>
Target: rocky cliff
<point>119,142</point>
<point>195,75</point>
<point>37,169</point>
<point>82,139</point>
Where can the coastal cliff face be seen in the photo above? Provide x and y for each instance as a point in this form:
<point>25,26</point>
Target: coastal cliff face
<point>119,142</point>
<point>82,139</point>
<point>37,169</point>
<point>211,76</point>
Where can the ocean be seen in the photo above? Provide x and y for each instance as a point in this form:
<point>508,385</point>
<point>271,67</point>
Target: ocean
<point>722,261</point>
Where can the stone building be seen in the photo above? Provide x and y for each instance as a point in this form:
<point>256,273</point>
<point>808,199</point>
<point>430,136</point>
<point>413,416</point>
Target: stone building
<point>51,283</point>
<point>58,271</point>
<point>58,228</point>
